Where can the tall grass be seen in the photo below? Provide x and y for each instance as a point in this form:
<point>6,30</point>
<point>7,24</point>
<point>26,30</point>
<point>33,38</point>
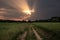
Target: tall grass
<point>9,30</point>
<point>49,25</point>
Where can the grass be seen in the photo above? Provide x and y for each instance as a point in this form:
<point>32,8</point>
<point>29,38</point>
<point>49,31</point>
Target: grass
<point>49,25</point>
<point>53,29</point>
<point>8,30</point>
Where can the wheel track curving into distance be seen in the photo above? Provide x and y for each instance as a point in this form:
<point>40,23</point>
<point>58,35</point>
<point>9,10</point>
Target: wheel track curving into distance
<point>36,34</point>
<point>30,34</point>
<point>22,37</point>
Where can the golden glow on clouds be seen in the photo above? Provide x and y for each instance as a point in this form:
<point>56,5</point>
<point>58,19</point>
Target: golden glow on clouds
<point>29,12</point>
<point>2,17</point>
<point>2,10</point>
<point>21,6</point>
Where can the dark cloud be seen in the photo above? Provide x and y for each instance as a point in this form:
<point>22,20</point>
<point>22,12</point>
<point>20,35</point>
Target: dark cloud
<point>44,9</point>
<point>4,5</point>
<point>49,8</point>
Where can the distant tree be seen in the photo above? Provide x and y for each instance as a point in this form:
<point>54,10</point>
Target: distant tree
<point>55,19</point>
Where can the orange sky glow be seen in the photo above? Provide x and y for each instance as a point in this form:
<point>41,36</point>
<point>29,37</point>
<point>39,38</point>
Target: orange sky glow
<point>21,6</point>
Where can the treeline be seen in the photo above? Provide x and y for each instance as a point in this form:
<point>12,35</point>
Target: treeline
<point>10,21</point>
<point>53,19</point>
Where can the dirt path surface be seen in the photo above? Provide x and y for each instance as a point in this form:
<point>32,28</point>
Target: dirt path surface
<point>31,34</point>
<point>36,34</point>
<point>22,37</point>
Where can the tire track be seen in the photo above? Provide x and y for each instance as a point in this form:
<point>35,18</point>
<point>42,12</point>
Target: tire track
<point>47,34</point>
<point>36,34</point>
<point>30,35</point>
<point>23,36</point>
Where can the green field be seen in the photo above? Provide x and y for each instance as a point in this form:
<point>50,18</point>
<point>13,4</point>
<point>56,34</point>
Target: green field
<point>49,25</point>
<point>10,30</point>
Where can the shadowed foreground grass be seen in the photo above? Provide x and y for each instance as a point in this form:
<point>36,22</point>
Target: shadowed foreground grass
<point>10,30</point>
<point>49,25</point>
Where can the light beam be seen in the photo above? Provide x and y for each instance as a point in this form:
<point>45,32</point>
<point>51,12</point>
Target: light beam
<point>21,6</point>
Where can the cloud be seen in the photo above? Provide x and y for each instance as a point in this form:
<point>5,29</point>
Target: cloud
<point>10,9</point>
<point>12,14</point>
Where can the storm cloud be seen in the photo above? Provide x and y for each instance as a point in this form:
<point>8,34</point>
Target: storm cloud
<point>44,9</point>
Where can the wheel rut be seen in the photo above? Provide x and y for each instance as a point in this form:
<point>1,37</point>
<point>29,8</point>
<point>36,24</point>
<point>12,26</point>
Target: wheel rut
<point>36,34</point>
<point>22,37</point>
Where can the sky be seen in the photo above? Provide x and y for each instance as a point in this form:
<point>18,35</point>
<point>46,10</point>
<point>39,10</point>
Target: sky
<point>44,9</point>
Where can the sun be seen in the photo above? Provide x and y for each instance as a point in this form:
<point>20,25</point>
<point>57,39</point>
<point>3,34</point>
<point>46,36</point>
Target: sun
<point>29,12</point>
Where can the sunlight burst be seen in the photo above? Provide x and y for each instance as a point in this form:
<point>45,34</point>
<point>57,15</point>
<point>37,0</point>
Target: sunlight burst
<point>21,6</point>
<point>28,11</point>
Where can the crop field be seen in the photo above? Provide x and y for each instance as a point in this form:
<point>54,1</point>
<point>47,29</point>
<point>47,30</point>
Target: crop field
<point>29,31</point>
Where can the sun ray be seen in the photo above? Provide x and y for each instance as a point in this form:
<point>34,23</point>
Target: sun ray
<point>21,6</point>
